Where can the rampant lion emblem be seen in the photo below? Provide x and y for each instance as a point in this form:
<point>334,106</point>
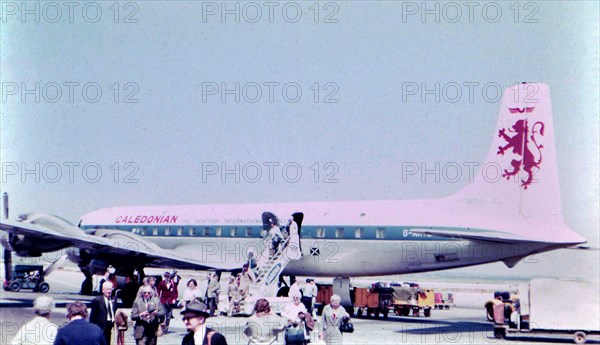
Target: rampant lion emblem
<point>520,144</point>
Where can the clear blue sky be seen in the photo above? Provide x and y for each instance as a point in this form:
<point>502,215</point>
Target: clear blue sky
<point>321,90</point>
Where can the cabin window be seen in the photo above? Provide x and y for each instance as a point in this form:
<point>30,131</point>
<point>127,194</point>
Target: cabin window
<point>339,232</point>
<point>320,232</point>
<point>155,231</point>
<point>248,232</point>
<point>233,232</point>
<point>219,231</point>
<point>380,233</point>
<point>179,231</point>
<point>143,232</point>
<point>191,231</point>
<point>206,232</point>
<point>135,230</point>
<point>167,231</point>
<point>359,232</point>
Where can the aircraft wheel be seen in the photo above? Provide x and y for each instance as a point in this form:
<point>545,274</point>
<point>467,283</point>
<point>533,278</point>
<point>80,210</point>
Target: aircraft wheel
<point>15,286</point>
<point>416,312</point>
<point>579,337</point>
<point>386,311</point>
<point>499,332</point>
<point>359,313</point>
<point>427,312</point>
<point>490,313</point>
<point>44,287</point>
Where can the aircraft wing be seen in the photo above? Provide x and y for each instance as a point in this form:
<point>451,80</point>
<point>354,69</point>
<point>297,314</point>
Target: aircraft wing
<point>107,244</point>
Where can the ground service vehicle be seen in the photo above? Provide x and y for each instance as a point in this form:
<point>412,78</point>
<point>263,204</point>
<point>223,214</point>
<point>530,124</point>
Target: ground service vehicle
<point>409,298</point>
<point>443,300</point>
<point>28,277</point>
<point>376,300</point>
<point>554,306</point>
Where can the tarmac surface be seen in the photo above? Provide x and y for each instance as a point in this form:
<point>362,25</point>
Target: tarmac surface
<point>458,325</point>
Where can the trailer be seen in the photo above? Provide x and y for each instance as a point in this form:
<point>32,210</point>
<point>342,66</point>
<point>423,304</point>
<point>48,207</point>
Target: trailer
<point>552,306</point>
<point>443,300</point>
<point>409,300</point>
<point>376,300</point>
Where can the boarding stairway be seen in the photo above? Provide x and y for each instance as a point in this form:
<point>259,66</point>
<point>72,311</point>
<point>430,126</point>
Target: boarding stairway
<point>267,274</point>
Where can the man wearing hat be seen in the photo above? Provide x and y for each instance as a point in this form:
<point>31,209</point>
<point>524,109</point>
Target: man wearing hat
<point>194,319</point>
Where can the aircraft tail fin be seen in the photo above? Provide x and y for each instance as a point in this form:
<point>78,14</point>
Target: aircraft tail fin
<point>520,174</point>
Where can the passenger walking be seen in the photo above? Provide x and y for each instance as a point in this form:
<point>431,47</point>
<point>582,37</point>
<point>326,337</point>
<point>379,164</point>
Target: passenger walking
<point>212,293</point>
<point>203,288</point>
<point>167,292</point>
<point>79,331</point>
<point>333,315</point>
<point>191,294</point>
<point>145,312</point>
<point>232,294</point>
<point>40,330</point>
<point>264,327</point>
<point>295,312</point>
<point>102,312</point>
<point>309,294</point>
<point>275,236</point>
<point>148,281</point>
<point>194,318</point>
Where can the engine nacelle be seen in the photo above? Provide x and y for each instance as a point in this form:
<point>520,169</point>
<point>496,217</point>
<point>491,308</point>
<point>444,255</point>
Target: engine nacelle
<point>31,247</point>
<point>98,266</point>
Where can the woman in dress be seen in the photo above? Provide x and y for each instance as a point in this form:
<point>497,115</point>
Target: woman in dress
<point>333,314</point>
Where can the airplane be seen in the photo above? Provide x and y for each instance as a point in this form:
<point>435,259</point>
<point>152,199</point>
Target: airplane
<point>510,210</point>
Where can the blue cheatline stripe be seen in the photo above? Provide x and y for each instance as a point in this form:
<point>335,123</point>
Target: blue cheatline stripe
<point>380,233</point>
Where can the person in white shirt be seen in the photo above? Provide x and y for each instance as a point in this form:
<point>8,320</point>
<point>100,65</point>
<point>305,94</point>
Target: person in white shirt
<point>292,310</point>
<point>191,294</point>
<point>276,237</point>
<point>39,330</point>
<point>309,294</point>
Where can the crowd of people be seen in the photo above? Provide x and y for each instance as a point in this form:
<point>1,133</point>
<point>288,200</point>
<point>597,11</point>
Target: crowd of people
<point>153,308</point>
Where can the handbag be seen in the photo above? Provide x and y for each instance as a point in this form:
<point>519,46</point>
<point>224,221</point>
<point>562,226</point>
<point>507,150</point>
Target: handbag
<point>294,334</point>
<point>346,327</point>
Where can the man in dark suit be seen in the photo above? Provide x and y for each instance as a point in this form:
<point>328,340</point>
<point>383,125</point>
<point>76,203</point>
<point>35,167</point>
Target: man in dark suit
<point>79,331</point>
<point>103,311</point>
<point>194,318</point>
